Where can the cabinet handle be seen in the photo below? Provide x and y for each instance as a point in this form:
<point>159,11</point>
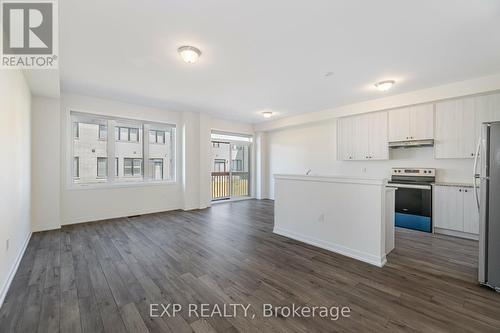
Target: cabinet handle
<point>460,190</point>
<point>465,191</point>
<point>471,154</point>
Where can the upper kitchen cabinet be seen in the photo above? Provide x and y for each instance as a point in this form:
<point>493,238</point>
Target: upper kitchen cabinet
<point>411,123</point>
<point>345,137</point>
<point>458,124</point>
<point>455,130</point>
<point>363,137</point>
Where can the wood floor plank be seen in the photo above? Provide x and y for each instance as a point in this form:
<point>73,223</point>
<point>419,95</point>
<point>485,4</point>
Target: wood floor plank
<point>104,276</point>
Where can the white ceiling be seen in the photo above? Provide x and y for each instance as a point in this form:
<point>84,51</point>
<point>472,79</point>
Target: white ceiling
<point>272,54</point>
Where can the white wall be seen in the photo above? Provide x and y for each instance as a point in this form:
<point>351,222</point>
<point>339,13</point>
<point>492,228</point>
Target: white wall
<point>56,203</point>
<point>83,205</point>
<point>15,179</point>
<point>46,164</point>
<point>313,146</point>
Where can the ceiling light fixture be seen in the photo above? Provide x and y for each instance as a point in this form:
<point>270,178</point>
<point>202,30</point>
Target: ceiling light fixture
<point>189,54</point>
<point>267,114</point>
<point>384,85</point>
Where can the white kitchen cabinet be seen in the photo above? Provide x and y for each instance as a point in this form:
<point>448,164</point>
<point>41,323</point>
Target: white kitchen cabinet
<point>458,124</point>
<point>363,137</point>
<point>399,124</point>
<point>455,135</point>
<point>487,109</point>
<point>346,137</point>
<point>411,123</point>
<point>454,210</point>
<point>422,122</point>
<point>378,148</point>
<point>471,213</point>
<point>447,208</point>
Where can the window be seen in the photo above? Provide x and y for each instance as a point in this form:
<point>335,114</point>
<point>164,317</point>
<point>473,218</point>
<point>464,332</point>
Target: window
<point>76,167</point>
<point>156,168</point>
<point>219,165</point>
<point>102,167</point>
<point>132,167</point>
<point>130,161</point>
<point>103,132</point>
<point>237,165</point>
<point>127,134</point>
<point>156,136</point>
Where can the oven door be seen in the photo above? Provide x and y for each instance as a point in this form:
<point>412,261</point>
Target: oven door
<point>413,206</point>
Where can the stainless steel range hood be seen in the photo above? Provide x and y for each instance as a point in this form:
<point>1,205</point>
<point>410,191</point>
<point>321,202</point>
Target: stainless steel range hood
<point>411,143</point>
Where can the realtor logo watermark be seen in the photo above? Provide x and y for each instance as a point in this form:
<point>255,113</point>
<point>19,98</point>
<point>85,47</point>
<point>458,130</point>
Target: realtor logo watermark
<point>29,34</point>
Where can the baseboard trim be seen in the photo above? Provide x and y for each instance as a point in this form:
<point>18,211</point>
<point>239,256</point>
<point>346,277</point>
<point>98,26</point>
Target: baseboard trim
<point>455,233</point>
<point>13,271</point>
<point>343,250</point>
<point>38,228</point>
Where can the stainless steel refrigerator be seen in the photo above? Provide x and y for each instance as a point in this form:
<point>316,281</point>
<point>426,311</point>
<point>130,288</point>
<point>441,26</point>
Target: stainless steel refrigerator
<point>488,200</point>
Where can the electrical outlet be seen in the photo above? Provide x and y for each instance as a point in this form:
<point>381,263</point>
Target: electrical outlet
<point>7,244</point>
<point>321,218</point>
<point>363,170</point>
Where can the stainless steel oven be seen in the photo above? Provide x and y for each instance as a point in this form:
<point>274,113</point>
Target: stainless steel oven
<point>413,197</point>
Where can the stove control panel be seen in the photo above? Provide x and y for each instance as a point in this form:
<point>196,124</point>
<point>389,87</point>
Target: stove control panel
<point>414,172</point>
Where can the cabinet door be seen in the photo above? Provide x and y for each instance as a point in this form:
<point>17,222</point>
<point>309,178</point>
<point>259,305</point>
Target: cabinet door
<point>471,214</point>
<point>377,138</point>
<point>487,109</point>
<point>447,209</point>
<point>361,139</point>
<point>421,122</point>
<point>455,129</point>
<point>399,124</point>
<point>346,138</point>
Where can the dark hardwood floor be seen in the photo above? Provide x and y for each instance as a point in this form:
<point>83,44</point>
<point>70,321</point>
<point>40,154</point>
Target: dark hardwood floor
<point>103,276</point>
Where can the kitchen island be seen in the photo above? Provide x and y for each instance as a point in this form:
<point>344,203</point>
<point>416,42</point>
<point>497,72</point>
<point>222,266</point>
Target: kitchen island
<point>347,215</point>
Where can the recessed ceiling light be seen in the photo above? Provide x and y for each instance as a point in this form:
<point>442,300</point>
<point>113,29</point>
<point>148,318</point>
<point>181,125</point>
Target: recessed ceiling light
<point>189,54</point>
<point>384,85</point>
<point>328,74</point>
<point>267,114</point>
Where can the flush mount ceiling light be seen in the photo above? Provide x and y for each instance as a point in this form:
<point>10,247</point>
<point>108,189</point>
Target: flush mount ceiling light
<point>384,85</point>
<point>267,114</point>
<point>189,54</point>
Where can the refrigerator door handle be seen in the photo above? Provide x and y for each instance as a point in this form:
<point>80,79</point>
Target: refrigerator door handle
<point>476,175</point>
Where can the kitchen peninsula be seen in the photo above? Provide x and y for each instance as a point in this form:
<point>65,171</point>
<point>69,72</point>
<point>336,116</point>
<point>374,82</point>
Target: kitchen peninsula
<point>351,216</point>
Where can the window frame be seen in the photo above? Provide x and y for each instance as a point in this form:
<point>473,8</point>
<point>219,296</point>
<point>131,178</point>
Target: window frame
<point>174,159</point>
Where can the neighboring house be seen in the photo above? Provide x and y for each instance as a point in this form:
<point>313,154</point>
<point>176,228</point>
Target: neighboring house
<point>90,162</point>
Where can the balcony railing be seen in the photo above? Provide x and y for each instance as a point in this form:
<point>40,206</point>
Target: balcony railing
<point>226,185</point>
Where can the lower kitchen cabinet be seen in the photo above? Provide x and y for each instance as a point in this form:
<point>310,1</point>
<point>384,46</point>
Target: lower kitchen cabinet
<point>455,211</point>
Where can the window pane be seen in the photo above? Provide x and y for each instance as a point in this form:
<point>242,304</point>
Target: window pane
<point>137,170</point>
<point>117,133</point>
<point>102,167</point>
<point>152,136</point>
<point>127,167</point>
<point>162,152</point>
<point>134,134</point>
<point>116,166</point>
<point>156,166</point>
<point>103,132</point>
<point>76,167</point>
<point>87,148</point>
<point>160,137</point>
<point>123,134</point>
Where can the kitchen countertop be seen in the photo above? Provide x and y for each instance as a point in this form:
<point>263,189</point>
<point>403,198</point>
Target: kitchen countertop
<point>453,184</point>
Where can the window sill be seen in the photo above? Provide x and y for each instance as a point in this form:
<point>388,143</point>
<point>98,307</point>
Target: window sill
<point>102,186</point>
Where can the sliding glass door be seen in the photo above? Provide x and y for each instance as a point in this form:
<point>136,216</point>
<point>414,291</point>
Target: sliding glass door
<point>230,166</point>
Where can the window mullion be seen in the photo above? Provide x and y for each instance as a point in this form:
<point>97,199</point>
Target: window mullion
<point>145,152</point>
<point>111,147</point>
